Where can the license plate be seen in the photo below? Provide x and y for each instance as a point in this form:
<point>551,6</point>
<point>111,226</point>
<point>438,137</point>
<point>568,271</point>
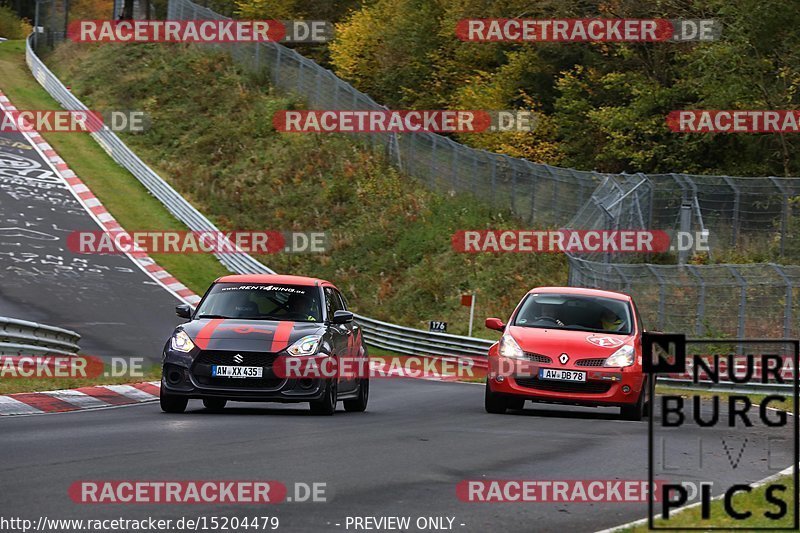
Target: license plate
<point>561,375</point>
<point>220,371</point>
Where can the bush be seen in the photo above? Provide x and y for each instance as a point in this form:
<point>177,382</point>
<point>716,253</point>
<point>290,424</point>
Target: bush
<point>11,26</point>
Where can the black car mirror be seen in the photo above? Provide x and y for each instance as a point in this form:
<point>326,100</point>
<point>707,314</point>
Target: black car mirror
<point>183,311</point>
<point>342,317</point>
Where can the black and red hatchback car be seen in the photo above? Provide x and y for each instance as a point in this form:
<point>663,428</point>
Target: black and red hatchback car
<point>244,323</point>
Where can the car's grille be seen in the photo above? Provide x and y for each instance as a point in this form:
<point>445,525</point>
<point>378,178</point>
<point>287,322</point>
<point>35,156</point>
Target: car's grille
<point>586,387</point>
<point>201,370</point>
<point>538,358</point>
<point>217,357</point>
<point>590,362</point>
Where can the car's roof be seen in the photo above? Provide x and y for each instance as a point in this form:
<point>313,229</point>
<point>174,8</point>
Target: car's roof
<point>583,291</point>
<point>272,278</point>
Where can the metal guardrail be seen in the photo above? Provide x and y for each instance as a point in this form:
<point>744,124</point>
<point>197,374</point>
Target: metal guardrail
<point>377,333</point>
<point>20,337</point>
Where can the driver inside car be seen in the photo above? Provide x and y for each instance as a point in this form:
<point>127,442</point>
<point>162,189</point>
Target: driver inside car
<point>610,321</point>
<point>301,306</point>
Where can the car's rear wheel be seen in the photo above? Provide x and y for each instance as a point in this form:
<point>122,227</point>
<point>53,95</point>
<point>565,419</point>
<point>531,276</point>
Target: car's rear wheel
<point>636,411</point>
<point>494,403</point>
<point>171,403</point>
<point>326,406</point>
<point>358,405</point>
<point>215,404</point>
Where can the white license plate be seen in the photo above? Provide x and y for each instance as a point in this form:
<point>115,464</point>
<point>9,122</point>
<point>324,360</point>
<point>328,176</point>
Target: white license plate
<point>220,371</point>
<point>561,375</point>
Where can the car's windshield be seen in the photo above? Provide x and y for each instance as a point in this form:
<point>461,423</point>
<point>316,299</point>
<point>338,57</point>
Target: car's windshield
<point>252,301</point>
<point>576,312</point>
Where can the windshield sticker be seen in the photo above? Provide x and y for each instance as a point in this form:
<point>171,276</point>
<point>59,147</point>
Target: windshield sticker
<point>604,342</point>
<point>292,290</point>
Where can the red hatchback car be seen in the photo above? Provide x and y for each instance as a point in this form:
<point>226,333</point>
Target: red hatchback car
<point>569,345</point>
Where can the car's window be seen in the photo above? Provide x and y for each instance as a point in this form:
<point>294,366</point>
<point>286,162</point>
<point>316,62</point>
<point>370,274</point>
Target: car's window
<point>256,301</point>
<point>576,312</point>
<point>331,302</point>
<point>342,302</point>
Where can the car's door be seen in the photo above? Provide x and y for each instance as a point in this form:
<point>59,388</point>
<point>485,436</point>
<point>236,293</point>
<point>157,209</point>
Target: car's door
<point>338,332</point>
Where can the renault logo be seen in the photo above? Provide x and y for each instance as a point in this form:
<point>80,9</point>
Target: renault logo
<point>563,358</point>
<point>238,359</point>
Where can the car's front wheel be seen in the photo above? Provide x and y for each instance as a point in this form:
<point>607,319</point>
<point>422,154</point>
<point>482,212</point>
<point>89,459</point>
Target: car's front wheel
<point>171,403</point>
<point>494,403</point>
<point>636,411</point>
<point>326,406</point>
<point>358,405</point>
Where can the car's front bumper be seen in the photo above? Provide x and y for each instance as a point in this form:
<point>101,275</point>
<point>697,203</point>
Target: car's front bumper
<point>182,376</point>
<point>603,386</point>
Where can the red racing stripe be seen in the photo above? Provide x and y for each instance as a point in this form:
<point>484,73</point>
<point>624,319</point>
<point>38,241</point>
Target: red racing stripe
<point>202,338</point>
<point>281,338</point>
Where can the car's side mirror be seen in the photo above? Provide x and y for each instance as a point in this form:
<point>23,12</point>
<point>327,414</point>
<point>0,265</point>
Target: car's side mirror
<point>342,317</point>
<point>495,324</point>
<point>183,311</point>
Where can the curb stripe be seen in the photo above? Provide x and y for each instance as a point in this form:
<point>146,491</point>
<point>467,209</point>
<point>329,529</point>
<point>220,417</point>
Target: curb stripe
<point>76,398</point>
<point>44,402</point>
<point>10,406</point>
<point>131,393</point>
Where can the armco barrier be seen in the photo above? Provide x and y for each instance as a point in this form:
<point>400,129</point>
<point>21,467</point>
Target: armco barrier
<point>20,337</point>
<point>380,334</point>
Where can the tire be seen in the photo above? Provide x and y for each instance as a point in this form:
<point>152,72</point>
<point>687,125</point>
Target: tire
<point>326,406</point>
<point>358,405</point>
<point>494,403</point>
<point>515,404</point>
<point>215,404</point>
<point>172,404</point>
<point>636,411</point>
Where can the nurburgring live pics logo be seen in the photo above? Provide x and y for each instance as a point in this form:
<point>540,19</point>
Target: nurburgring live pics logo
<point>666,354</point>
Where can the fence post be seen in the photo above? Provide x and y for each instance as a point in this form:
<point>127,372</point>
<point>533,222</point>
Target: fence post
<point>787,313</point>
<point>784,212</point>
<point>685,227</point>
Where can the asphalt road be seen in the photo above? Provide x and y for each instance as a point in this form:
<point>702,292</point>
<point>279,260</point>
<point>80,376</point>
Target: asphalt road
<point>110,301</point>
<point>403,457</point>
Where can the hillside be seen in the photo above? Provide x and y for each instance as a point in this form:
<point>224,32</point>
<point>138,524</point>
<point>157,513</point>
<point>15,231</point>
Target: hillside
<point>212,138</point>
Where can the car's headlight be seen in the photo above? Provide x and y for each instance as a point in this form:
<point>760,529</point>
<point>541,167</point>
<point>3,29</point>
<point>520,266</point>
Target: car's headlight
<point>308,345</point>
<point>510,348</point>
<point>622,357</point>
<point>181,342</point>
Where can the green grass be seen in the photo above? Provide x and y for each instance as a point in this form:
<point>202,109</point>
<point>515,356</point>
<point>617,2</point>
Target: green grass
<point>212,139</point>
<point>15,385</point>
<point>119,191</point>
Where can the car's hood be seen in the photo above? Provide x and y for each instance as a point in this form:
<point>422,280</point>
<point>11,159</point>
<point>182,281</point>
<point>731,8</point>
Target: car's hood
<point>554,342</point>
<point>247,335</point>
